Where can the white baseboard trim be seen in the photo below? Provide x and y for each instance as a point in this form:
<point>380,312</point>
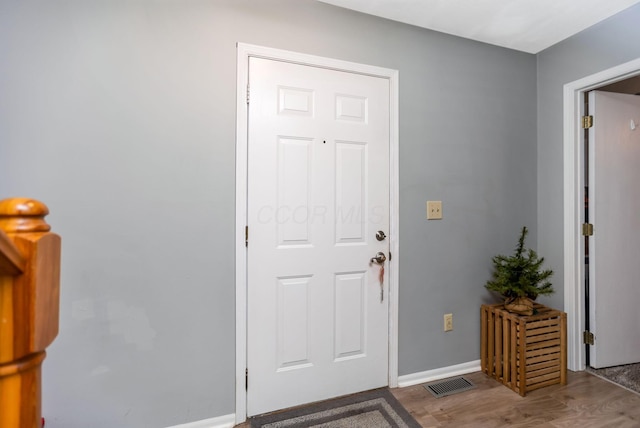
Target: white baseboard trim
<point>226,421</point>
<point>437,374</point>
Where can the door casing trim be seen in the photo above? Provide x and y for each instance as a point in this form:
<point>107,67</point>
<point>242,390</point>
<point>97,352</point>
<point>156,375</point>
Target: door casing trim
<point>244,52</point>
<point>573,183</point>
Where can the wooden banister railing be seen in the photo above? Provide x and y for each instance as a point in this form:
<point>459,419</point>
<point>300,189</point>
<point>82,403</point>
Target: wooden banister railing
<point>29,302</point>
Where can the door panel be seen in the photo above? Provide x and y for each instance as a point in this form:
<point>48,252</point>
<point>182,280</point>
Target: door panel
<point>614,210</point>
<point>318,191</point>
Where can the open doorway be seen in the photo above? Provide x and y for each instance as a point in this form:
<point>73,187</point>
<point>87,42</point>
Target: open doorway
<point>612,201</point>
<point>621,78</point>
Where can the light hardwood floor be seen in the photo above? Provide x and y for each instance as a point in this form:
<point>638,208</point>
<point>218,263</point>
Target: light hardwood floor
<point>586,401</point>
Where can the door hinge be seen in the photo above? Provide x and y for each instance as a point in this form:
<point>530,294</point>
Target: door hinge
<point>588,338</point>
<point>587,229</point>
<point>246,379</point>
<point>246,236</point>
<point>248,92</point>
<point>587,122</point>
<point>389,255</point>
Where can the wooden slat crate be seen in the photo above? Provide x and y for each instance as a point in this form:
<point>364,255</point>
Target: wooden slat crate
<point>524,352</point>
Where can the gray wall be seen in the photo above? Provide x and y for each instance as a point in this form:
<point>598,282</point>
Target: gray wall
<point>605,45</point>
<point>120,115</point>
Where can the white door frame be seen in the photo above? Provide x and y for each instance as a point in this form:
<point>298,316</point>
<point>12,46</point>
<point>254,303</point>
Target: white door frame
<point>574,203</point>
<point>245,51</point>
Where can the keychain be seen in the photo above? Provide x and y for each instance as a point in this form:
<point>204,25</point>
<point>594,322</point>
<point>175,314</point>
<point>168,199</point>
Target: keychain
<point>379,259</point>
<point>381,279</point>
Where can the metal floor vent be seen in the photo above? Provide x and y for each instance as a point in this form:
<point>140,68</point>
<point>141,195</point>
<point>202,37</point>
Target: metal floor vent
<point>451,386</point>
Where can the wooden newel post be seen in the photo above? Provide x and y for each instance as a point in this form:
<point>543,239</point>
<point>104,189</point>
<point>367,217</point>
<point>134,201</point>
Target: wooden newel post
<point>29,302</point>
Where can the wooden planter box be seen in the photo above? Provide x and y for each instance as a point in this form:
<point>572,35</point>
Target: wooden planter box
<point>524,352</point>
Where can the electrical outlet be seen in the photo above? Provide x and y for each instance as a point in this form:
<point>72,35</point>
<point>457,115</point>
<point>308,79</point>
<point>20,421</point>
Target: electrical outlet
<point>434,210</point>
<point>448,322</point>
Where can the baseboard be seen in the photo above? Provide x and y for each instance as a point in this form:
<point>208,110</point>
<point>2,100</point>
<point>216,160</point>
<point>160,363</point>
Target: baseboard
<point>437,374</point>
<point>226,421</point>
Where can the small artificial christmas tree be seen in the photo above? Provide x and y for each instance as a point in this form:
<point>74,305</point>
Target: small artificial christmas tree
<point>519,278</point>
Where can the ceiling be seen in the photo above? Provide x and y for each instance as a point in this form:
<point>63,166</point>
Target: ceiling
<point>524,25</point>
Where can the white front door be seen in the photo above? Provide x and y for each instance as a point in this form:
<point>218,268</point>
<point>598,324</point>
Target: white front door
<point>614,210</point>
<point>318,192</point>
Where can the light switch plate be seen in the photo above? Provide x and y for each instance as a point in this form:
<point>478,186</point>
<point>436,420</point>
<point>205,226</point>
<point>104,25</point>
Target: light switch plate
<point>434,210</point>
<point>448,322</point>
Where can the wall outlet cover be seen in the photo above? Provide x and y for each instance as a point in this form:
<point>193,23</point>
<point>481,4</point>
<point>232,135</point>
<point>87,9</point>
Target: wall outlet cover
<point>434,210</point>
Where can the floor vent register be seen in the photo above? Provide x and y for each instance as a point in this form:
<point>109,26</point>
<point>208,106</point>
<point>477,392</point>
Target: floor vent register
<point>450,386</point>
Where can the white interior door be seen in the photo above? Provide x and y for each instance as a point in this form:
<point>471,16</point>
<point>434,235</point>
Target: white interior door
<point>614,210</point>
<point>318,192</point>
